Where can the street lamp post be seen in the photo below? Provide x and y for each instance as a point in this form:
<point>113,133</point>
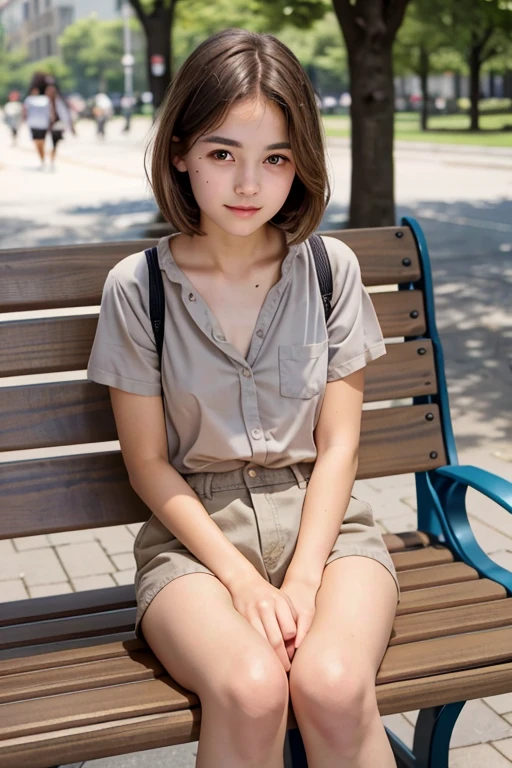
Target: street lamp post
<point>127,61</point>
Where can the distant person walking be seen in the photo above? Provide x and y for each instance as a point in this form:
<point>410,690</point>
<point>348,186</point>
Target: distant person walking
<point>13,114</point>
<point>60,119</point>
<point>36,109</point>
<point>102,111</point>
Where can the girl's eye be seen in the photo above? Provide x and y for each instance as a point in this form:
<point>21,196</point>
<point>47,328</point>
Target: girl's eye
<point>220,154</point>
<point>274,159</point>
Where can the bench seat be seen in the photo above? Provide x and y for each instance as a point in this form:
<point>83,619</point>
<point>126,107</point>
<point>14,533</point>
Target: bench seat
<point>451,641</point>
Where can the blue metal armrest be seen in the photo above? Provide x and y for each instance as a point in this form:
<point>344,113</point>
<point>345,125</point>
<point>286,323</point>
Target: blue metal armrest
<point>448,486</point>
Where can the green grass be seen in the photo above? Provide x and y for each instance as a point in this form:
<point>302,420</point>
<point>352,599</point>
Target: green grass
<point>445,129</point>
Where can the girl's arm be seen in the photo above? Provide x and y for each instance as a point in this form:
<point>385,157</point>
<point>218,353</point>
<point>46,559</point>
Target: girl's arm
<point>328,494</point>
<point>141,429</point>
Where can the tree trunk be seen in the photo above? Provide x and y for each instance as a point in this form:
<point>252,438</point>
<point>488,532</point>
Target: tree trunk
<point>424,67</point>
<point>157,27</point>
<point>369,28</point>
<point>158,31</point>
<point>372,201</point>
<point>475,65</point>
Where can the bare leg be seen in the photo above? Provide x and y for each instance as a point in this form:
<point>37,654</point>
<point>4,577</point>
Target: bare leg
<point>210,649</point>
<point>40,149</point>
<point>332,678</point>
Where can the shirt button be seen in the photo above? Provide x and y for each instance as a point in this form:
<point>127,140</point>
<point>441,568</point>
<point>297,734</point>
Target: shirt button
<point>246,372</point>
<point>256,433</point>
<point>252,473</point>
<point>259,333</point>
<point>191,297</point>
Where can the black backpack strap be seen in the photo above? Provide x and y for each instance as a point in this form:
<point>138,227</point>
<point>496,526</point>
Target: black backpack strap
<point>323,272</point>
<point>156,299</point>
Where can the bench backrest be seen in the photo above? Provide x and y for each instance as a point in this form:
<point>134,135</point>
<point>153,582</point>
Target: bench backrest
<point>71,475</point>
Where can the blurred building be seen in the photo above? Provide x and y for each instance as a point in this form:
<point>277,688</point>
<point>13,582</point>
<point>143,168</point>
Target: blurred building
<point>37,24</point>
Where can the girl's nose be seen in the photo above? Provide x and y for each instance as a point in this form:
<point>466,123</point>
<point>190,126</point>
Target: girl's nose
<point>247,182</point>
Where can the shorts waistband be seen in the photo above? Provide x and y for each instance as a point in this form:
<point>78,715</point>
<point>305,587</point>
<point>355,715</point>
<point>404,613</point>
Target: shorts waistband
<point>248,476</point>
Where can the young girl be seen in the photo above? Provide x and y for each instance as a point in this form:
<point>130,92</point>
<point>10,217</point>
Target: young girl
<point>244,446</point>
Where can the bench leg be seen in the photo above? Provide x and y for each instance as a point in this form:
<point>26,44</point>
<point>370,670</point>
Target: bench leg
<point>294,752</point>
<point>433,733</point>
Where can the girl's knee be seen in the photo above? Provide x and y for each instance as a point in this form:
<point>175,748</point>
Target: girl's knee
<point>336,698</point>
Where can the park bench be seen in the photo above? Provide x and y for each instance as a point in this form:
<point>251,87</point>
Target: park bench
<point>75,683</point>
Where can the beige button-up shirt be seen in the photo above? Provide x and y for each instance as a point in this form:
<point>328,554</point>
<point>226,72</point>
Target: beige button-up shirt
<point>221,409</point>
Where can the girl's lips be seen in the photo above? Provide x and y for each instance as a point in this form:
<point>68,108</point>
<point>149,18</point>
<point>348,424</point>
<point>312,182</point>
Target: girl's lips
<point>243,212</point>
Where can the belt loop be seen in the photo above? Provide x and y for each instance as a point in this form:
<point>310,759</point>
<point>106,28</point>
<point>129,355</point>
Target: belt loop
<point>301,480</point>
<point>207,489</point>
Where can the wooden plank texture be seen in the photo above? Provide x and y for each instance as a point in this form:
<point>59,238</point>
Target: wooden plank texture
<point>49,345</point>
<point>73,275</point>
<point>88,491</point>
<point>449,595</point>
<point>76,412</point>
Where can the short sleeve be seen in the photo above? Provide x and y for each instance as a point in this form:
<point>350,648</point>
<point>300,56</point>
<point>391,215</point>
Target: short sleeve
<point>124,353</point>
<point>355,336</point>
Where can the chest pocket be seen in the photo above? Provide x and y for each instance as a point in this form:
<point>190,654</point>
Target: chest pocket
<point>303,370</point>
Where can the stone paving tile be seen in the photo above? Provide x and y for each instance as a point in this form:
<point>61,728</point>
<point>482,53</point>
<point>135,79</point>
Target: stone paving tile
<point>70,537</point>
<point>178,756</point>
<point>400,727</point>
<point>488,511</point>
<point>30,542</point>
<point>406,482</point>
<point>14,589</point>
<point>501,704</point>
<point>399,524</point>
<point>46,590</point>
<point>508,717</point>
<point>6,548</point>
<point>85,559</point>
<point>134,528</point>
<point>124,562</point>
<point>92,582</point>
<point>124,577</point>
<point>503,558</point>
<point>489,539</point>
<point>481,756</point>
<point>478,724</point>
<point>114,539</point>
<point>36,566</point>
<point>505,747</point>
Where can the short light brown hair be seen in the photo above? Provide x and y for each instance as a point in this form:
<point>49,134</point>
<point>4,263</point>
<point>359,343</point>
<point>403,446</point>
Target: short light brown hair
<point>232,66</point>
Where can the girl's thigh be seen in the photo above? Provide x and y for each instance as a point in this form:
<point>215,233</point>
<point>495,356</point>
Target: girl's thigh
<point>203,641</point>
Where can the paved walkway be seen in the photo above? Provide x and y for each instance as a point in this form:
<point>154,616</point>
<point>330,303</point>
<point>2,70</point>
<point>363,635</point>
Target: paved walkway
<point>470,245</point>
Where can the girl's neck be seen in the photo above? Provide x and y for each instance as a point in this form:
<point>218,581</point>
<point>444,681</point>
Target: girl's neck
<point>234,256</point>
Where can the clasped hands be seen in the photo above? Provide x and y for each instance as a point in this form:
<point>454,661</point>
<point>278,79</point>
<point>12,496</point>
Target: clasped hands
<point>282,616</point>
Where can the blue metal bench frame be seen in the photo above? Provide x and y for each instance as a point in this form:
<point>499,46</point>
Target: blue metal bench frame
<point>440,496</point>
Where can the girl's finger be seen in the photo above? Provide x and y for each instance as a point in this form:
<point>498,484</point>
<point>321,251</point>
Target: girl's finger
<point>274,635</point>
<point>287,622</point>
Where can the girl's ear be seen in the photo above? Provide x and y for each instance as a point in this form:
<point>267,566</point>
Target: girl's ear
<point>176,158</point>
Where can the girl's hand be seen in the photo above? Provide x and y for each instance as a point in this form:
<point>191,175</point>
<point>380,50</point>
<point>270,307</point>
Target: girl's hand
<point>270,612</point>
<point>303,598</point>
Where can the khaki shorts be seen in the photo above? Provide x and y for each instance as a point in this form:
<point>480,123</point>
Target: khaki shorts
<point>259,511</point>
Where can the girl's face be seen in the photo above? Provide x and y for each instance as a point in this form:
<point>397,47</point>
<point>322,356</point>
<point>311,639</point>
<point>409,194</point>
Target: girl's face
<point>241,172</point>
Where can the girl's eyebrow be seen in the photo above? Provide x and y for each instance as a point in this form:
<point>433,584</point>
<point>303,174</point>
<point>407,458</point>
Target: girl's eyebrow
<point>233,143</point>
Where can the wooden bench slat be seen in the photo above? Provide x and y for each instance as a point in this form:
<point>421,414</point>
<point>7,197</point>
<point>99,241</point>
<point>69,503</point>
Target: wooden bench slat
<point>102,740</point>
<point>76,412</point>
<point>436,690</point>
<point>72,604</point>
<point>139,665</point>
<point>105,651</point>
<point>160,730</point>
<point>54,630</point>
<point>73,275</point>
<point>446,654</point>
<point>38,494</point>
<point>52,713</point>
<point>420,578</point>
<point>450,595</point>
<point>398,542</point>
<point>422,558</point>
<point>53,344</point>
<point>410,628</point>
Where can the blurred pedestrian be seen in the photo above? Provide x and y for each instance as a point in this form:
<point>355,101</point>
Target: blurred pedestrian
<point>36,110</point>
<point>102,111</point>
<point>13,114</point>
<point>60,118</point>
